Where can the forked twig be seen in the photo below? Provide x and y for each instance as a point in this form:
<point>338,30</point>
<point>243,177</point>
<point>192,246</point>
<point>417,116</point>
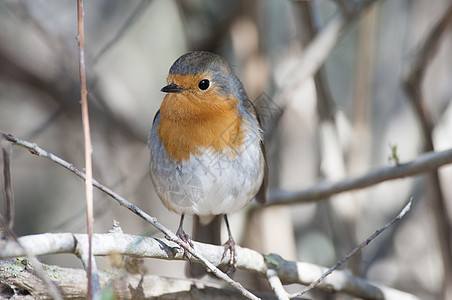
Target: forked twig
<point>355,250</point>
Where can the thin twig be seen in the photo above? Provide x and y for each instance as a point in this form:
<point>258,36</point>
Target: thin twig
<point>9,199</point>
<point>36,150</point>
<point>93,283</point>
<point>423,163</point>
<point>358,248</point>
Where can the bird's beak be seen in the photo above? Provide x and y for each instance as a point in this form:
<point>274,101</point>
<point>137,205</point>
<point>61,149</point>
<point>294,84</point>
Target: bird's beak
<point>172,88</point>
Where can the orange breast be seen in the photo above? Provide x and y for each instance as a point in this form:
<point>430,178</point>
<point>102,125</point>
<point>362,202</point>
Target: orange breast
<point>190,123</point>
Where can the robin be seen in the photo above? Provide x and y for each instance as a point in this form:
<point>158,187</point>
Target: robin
<point>207,152</point>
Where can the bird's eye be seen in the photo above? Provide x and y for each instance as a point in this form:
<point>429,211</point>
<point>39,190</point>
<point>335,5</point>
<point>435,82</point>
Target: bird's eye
<point>204,84</point>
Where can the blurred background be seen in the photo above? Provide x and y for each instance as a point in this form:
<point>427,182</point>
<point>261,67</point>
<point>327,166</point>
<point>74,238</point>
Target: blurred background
<point>339,124</point>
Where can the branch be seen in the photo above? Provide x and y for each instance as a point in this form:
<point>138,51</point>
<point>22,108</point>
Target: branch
<point>247,259</point>
<point>36,150</point>
<point>424,163</point>
<point>19,281</point>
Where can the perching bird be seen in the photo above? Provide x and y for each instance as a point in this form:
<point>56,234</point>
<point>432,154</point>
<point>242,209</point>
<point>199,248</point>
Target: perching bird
<point>207,153</point>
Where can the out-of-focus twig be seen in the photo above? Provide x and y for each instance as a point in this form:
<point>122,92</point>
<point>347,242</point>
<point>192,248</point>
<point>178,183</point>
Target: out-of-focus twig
<point>60,90</point>
<point>422,164</point>
<point>406,208</point>
<point>313,57</point>
<point>331,154</point>
<point>9,199</point>
<point>310,16</point>
<point>134,16</point>
<point>343,4</point>
<point>361,116</point>
<point>413,87</point>
<point>36,150</point>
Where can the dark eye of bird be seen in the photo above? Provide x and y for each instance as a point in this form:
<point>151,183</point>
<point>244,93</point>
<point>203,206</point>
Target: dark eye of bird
<point>204,84</point>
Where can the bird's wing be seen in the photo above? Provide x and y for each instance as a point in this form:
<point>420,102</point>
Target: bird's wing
<point>262,194</point>
<point>155,117</point>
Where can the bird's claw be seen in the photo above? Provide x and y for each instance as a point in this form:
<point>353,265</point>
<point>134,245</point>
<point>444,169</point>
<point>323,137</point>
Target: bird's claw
<point>180,233</point>
<point>229,246</point>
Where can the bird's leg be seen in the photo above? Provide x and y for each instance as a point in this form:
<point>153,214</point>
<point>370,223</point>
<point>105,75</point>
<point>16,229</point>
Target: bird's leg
<point>181,233</point>
<point>230,246</point>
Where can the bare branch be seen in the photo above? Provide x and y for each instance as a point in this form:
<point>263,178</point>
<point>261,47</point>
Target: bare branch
<point>20,281</point>
<point>35,149</point>
<point>247,259</point>
<point>355,250</point>
<point>422,164</point>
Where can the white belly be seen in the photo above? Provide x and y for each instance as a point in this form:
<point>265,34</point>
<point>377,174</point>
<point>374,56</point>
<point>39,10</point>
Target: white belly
<point>209,183</point>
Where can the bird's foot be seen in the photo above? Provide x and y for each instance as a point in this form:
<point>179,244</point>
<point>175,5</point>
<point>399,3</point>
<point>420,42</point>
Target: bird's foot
<point>180,233</point>
<point>229,246</point>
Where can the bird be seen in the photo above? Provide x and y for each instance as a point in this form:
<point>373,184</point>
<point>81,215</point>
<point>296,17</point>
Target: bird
<point>206,144</point>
